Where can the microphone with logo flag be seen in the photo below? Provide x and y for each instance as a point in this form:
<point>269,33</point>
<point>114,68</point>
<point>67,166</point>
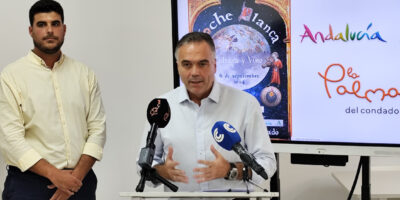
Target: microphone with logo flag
<point>228,138</point>
<point>158,115</point>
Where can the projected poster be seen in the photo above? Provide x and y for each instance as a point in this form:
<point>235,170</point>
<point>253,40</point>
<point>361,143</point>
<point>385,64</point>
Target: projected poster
<point>345,71</point>
<point>252,51</point>
<point>323,71</point>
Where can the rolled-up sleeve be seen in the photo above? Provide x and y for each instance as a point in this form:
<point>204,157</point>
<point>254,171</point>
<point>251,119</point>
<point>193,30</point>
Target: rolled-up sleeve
<point>13,145</point>
<point>96,121</point>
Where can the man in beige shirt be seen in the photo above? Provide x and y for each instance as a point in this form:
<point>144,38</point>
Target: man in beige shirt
<point>52,121</point>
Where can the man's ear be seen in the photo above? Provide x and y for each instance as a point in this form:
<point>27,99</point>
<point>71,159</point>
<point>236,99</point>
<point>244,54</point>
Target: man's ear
<point>30,29</point>
<point>215,65</point>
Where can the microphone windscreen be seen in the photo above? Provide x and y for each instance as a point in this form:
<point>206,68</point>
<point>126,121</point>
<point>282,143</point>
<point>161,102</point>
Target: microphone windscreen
<point>158,112</point>
<point>225,135</point>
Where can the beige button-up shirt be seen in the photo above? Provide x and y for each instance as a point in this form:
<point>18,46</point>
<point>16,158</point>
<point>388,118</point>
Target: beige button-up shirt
<point>52,114</point>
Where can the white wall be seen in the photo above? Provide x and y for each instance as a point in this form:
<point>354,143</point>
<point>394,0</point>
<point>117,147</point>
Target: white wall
<point>128,44</point>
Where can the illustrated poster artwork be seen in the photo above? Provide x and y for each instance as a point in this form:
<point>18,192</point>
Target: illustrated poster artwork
<point>252,51</point>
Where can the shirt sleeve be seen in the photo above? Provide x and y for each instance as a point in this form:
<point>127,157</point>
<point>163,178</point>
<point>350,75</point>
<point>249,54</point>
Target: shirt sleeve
<point>13,145</point>
<point>258,142</point>
<point>96,121</point>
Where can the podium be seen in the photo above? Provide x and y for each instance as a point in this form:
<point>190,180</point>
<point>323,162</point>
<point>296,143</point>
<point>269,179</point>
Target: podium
<point>208,195</point>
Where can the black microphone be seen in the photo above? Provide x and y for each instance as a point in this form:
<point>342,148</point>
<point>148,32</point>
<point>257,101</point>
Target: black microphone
<point>158,112</point>
<point>228,138</point>
<point>158,115</point>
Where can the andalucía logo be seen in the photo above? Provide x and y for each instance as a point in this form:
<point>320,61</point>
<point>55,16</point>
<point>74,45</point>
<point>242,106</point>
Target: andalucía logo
<point>347,35</point>
<point>251,41</point>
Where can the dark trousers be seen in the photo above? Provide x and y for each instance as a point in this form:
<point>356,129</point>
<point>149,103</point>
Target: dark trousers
<point>30,186</point>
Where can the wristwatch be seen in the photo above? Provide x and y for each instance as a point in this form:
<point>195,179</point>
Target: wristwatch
<point>232,173</point>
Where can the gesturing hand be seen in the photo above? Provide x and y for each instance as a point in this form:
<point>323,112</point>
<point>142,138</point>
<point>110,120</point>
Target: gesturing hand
<point>168,170</point>
<point>217,168</point>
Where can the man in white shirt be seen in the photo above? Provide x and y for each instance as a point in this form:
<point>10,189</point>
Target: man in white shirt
<point>186,152</point>
<point>52,121</point>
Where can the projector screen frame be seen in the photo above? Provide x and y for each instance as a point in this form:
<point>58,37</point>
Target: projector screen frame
<point>331,148</point>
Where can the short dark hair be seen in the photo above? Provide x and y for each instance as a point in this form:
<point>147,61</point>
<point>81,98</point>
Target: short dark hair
<point>45,6</point>
<point>195,37</point>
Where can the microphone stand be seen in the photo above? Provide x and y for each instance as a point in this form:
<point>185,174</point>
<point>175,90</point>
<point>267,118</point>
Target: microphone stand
<point>148,173</point>
<point>152,175</point>
<point>247,180</point>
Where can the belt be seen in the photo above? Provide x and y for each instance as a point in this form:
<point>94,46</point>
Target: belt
<point>17,170</point>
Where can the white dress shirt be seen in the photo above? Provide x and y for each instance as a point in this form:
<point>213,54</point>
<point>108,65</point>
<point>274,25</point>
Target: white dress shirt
<point>189,133</point>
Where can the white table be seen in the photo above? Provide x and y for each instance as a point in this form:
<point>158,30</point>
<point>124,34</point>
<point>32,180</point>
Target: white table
<point>144,195</point>
<point>385,182</point>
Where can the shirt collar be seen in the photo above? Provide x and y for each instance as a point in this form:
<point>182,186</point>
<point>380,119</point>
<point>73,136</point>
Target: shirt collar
<point>39,61</point>
<point>214,94</point>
